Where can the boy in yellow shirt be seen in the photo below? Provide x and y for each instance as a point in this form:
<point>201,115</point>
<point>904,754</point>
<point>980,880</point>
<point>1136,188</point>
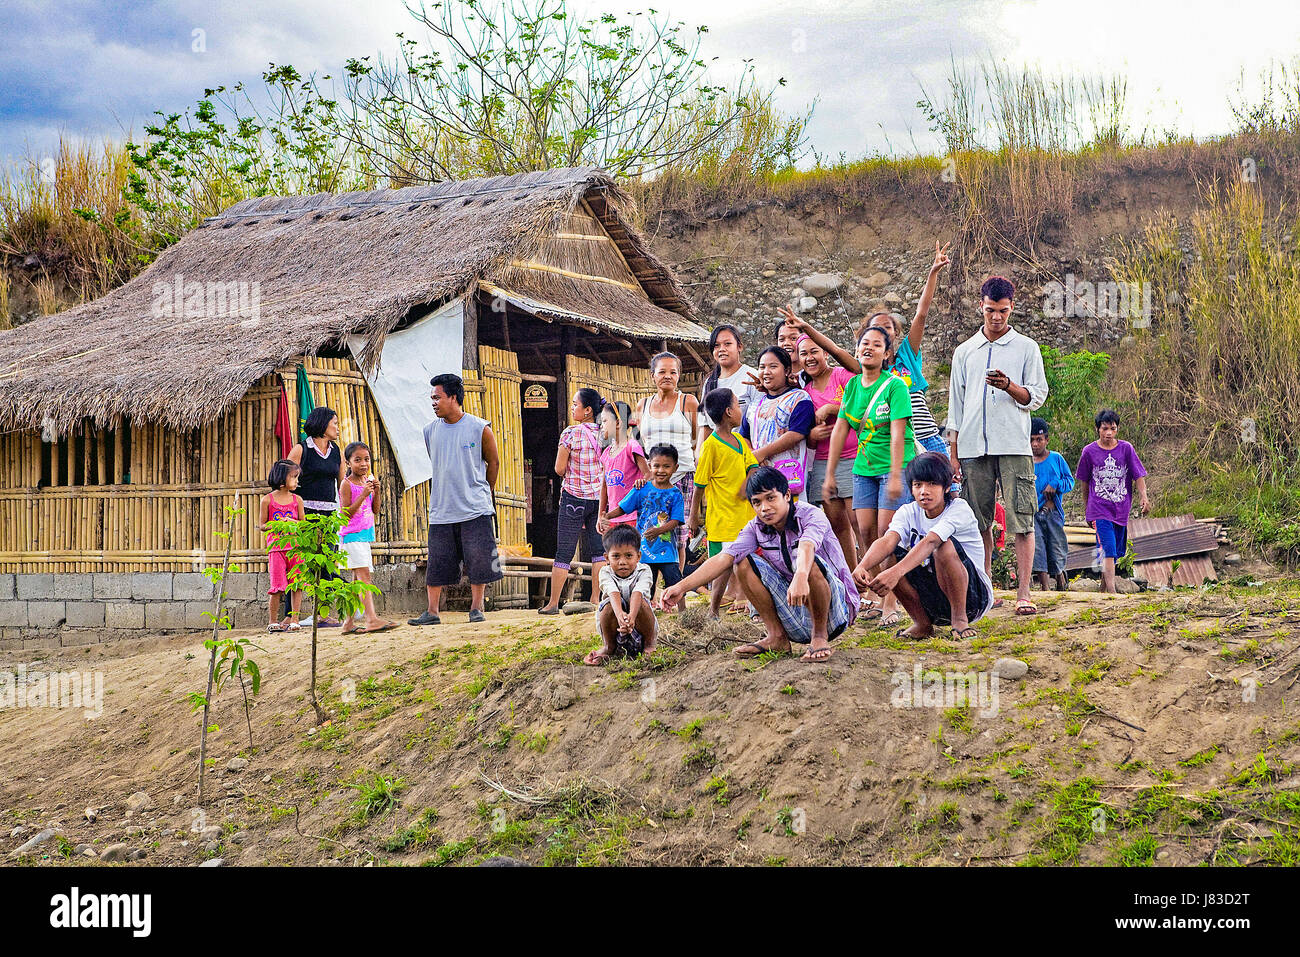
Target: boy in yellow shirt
<point>721,467</point>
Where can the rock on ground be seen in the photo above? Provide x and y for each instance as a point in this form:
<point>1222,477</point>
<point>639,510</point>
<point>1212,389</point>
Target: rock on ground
<point>1012,669</point>
<point>115,853</point>
<point>822,283</point>
<point>32,844</point>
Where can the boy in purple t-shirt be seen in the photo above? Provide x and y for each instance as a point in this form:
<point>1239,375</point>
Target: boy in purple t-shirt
<point>1111,469</point>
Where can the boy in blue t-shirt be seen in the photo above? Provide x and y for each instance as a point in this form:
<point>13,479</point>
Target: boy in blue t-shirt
<point>1053,478</point>
<point>660,511</point>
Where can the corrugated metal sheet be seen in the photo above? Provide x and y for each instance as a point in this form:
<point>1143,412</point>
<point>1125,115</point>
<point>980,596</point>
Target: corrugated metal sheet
<point>1157,540</point>
<point>1192,570</point>
<point>1150,526</point>
<point>1176,542</point>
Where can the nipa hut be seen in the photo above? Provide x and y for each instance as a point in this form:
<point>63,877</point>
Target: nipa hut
<point>131,421</point>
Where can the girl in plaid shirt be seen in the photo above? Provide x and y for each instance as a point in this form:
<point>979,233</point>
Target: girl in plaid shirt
<point>577,461</point>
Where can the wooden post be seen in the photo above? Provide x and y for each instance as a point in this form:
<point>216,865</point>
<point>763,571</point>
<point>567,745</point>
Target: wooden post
<point>469,358</point>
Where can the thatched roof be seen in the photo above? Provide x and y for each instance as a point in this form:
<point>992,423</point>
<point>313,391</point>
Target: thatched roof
<point>326,267</point>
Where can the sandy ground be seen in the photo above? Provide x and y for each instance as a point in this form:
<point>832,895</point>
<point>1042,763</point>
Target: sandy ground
<point>499,741</point>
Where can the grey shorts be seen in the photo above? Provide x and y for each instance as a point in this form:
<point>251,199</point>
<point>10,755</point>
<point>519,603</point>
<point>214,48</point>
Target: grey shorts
<point>979,487</point>
<point>817,475</point>
<point>471,545</point>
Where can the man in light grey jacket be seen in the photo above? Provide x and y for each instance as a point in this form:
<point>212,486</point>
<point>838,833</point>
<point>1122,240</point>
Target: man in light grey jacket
<point>997,382</point>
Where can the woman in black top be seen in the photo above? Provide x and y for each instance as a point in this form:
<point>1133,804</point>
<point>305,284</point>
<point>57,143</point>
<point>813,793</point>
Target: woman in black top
<point>322,470</point>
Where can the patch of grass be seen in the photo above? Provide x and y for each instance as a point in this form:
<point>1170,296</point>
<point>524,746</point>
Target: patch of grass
<point>1139,852</point>
<point>717,786</point>
<point>419,833</point>
<point>959,719</point>
<point>451,852</point>
<point>701,754</point>
<point>1076,816</point>
<point>742,830</point>
<point>537,741</point>
<point>945,817</point>
<point>377,796</point>
<point>962,782</point>
<point>511,834</point>
<point>1203,757</point>
<point>785,823</point>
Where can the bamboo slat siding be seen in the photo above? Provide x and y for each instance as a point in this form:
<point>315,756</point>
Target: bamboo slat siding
<point>167,517</point>
<point>628,384</point>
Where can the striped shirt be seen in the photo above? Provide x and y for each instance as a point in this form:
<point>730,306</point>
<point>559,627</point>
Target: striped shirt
<point>923,423</point>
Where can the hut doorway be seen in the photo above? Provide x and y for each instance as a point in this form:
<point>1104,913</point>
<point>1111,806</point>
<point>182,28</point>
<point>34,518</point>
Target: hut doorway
<point>542,410</point>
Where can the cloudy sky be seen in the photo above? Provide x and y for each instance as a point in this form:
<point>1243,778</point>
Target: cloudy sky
<point>94,70</point>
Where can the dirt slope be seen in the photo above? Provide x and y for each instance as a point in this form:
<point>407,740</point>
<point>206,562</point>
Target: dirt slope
<point>498,741</point>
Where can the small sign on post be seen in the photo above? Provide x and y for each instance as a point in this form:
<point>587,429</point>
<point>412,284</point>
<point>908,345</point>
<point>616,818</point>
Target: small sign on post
<point>535,397</point>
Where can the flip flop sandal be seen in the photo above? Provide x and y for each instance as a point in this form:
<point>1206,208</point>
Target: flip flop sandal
<point>751,654</point>
<point>965,633</point>
<point>818,655</point>
<point>371,631</point>
<point>275,628</point>
<point>903,633</point>
<point>1026,607</point>
<point>293,626</point>
<point>871,611</point>
<point>548,611</point>
<point>888,621</point>
<point>998,602</point>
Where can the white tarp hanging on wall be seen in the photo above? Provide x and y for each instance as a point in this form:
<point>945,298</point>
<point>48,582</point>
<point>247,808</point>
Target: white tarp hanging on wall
<point>400,386</point>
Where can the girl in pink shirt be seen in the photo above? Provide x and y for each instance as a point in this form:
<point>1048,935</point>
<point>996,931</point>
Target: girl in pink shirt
<point>622,461</point>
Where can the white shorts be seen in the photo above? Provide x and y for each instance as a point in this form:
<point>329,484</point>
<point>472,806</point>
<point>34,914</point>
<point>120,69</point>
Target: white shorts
<point>358,554</point>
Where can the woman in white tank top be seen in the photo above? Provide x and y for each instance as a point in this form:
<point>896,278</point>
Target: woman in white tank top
<point>669,418</point>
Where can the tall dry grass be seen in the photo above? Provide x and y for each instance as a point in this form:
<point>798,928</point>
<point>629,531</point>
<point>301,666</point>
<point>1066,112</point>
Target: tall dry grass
<point>68,211</point>
<point>1219,370</point>
<point>1223,357</point>
<point>1019,144</point>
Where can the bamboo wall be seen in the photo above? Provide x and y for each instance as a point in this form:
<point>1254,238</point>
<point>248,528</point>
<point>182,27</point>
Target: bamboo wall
<point>628,384</point>
<point>167,516</point>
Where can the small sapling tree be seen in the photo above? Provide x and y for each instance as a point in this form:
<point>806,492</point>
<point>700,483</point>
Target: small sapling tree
<point>227,656</point>
<point>316,567</point>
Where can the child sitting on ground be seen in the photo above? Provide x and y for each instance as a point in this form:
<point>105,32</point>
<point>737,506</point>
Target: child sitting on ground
<point>1054,480</point>
<point>660,510</point>
<point>282,504</point>
<point>1110,467</point>
<point>939,576</point>
<point>627,623</point>
<point>724,462</point>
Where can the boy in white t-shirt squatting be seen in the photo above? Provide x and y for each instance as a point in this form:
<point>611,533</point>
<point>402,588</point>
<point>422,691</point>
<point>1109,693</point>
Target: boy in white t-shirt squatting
<point>625,616</point>
<point>939,576</point>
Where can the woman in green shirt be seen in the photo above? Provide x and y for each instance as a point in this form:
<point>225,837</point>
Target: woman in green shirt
<point>877,404</point>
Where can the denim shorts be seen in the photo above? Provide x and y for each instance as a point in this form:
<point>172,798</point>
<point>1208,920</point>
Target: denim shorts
<point>869,491</point>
